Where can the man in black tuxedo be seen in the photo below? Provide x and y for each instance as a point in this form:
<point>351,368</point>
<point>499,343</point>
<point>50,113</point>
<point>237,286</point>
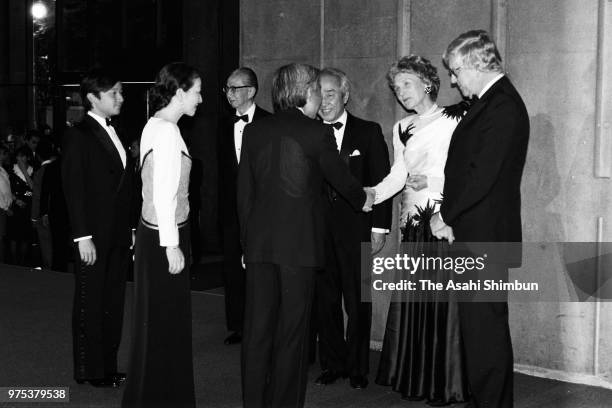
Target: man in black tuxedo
<point>240,89</point>
<point>98,185</point>
<point>285,159</point>
<point>362,147</point>
<point>482,201</point>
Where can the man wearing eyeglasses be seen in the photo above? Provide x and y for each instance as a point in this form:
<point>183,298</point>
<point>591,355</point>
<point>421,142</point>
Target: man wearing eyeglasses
<point>482,203</point>
<point>240,90</point>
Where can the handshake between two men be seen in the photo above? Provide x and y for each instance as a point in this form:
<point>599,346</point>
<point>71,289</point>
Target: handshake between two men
<point>438,227</point>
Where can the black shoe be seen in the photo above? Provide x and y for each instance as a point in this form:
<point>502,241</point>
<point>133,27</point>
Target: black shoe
<point>234,338</point>
<point>101,382</point>
<point>329,377</point>
<point>359,381</point>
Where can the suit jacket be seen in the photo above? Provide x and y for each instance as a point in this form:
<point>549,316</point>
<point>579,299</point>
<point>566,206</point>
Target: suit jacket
<point>369,167</point>
<point>228,170</point>
<point>99,191</point>
<point>285,159</point>
<point>486,156</point>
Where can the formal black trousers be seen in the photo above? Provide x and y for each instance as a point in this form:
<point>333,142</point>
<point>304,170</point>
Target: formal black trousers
<point>233,278</point>
<point>488,353</point>
<point>341,279</point>
<point>274,345</point>
<point>97,313</point>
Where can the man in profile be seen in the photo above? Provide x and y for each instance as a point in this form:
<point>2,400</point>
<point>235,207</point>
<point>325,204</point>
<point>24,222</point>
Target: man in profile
<point>285,159</point>
<point>482,202</point>
<point>240,90</point>
<point>98,186</point>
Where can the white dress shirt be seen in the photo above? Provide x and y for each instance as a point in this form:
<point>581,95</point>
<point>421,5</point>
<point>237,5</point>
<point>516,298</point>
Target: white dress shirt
<point>339,133</point>
<point>110,130</point>
<point>239,129</point>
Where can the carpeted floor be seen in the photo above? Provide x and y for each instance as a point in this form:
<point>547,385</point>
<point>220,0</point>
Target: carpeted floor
<point>35,350</point>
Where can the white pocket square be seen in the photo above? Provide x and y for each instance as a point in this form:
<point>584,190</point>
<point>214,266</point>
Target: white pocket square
<point>355,153</point>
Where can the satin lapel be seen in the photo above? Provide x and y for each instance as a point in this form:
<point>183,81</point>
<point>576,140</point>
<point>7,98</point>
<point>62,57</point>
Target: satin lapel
<point>232,144</point>
<point>475,110</point>
<point>105,141</point>
<point>347,139</point>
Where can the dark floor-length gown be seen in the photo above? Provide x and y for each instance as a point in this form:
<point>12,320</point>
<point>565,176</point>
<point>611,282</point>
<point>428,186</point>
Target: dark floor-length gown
<point>160,370</point>
<point>422,354</point>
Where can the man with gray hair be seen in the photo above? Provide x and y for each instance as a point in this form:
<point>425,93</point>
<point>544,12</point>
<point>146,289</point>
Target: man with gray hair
<point>285,159</point>
<point>482,202</point>
<point>361,145</point>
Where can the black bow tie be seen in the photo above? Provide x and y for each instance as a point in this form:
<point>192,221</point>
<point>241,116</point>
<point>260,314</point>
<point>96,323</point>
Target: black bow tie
<point>109,122</point>
<point>336,125</point>
<point>243,117</point>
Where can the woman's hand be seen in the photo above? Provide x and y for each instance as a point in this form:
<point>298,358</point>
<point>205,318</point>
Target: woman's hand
<point>176,260</point>
<point>20,203</point>
<point>417,182</point>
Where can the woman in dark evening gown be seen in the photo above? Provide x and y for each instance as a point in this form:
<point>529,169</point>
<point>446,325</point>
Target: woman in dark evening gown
<point>421,356</point>
<point>161,363</point>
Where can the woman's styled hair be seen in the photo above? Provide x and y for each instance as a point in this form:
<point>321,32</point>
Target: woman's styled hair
<point>290,85</point>
<point>95,81</point>
<point>474,49</point>
<point>420,67</point>
<point>171,77</point>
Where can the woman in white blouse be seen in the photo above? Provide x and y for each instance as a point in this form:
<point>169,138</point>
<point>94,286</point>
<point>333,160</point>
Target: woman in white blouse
<point>161,369</point>
<point>421,356</point>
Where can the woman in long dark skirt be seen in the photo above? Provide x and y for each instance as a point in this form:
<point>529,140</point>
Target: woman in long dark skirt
<point>422,353</point>
<point>161,362</point>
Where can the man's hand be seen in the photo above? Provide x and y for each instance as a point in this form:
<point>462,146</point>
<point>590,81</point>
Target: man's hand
<point>87,251</point>
<point>176,260</point>
<point>445,233</point>
<point>378,241</point>
<point>45,220</point>
<point>417,182</point>
<point>370,197</point>
<point>440,230</point>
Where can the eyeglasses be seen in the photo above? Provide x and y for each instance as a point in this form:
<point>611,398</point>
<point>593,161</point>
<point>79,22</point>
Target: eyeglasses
<point>232,89</point>
<point>455,71</point>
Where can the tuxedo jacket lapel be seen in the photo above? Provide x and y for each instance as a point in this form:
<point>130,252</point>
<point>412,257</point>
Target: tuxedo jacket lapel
<point>476,109</point>
<point>103,137</point>
<point>231,151</point>
<point>347,139</point>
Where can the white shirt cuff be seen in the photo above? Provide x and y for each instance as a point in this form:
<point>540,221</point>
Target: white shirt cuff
<point>380,230</point>
<point>83,238</point>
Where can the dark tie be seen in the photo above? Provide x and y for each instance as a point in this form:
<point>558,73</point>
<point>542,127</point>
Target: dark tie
<point>239,118</point>
<point>336,125</point>
<point>109,122</point>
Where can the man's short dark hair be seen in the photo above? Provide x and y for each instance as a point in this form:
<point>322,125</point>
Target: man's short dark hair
<point>96,81</point>
<point>250,76</point>
<point>291,83</point>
